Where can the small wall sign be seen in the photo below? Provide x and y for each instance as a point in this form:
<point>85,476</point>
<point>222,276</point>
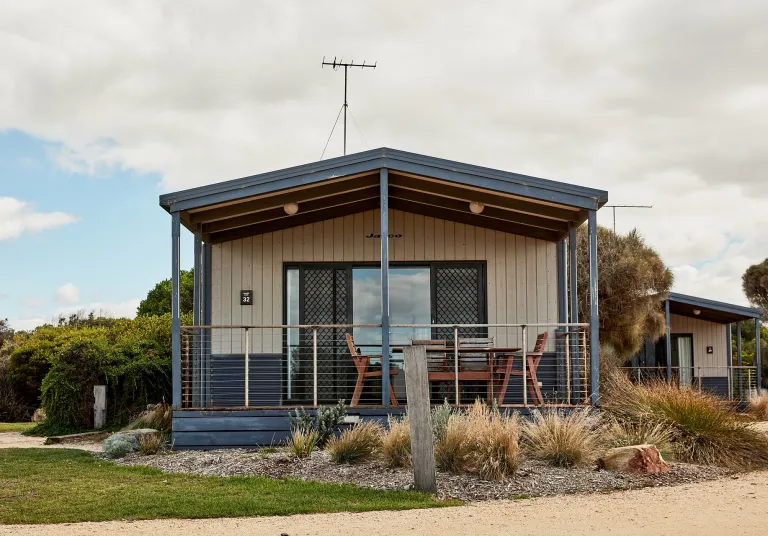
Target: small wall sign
<point>710,350</point>
<point>246,297</point>
<point>372,235</point>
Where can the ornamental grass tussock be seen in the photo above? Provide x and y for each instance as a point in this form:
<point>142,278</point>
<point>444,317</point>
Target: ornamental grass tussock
<point>704,428</point>
<point>758,406</point>
<point>360,443</point>
<point>396,442</point>
<point>563,439</point>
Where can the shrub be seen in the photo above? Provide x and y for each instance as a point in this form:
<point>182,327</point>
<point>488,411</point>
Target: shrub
<point>480,441</point>
<point>758,407</point>
<point>156,416</point>
<point>120,445</point>
<point>396,443</point>
<point>326,421</point>
<point>704,428</point>
<point>150,444</point>
<point>358,444</point>
<point>302,442</point>
<point>440,416</point>
<point>12,407</point>
<point>563,439</point>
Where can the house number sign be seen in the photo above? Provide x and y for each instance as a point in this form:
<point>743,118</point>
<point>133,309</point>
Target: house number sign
<point>246,297</point>
<point>372,235</point>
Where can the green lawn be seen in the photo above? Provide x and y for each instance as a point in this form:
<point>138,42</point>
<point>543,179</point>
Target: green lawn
<point>15,426</point>
<point>63,485</point>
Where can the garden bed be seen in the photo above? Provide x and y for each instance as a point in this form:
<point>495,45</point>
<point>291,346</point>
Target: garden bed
<point>532,479</point>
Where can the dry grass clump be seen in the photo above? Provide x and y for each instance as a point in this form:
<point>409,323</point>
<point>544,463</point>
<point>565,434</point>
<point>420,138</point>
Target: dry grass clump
<point>358,444</point>
<point>563,439</point>
<point>150,444</point>
<point>758,406</point>
<point>303,442</point>
<point>396,443</point>
<point>480,441</point>
<point>156,416</point>
<point>704,429</point>
<point>624,434</point>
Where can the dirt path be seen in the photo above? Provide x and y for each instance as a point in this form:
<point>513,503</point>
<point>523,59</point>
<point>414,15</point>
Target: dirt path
<point>17,440</point>
<point>734,506</point>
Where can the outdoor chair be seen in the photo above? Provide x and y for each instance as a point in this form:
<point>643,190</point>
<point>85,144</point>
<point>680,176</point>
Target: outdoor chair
<point>532,364</point>
<point>436,356</point>
<point>361,364</point>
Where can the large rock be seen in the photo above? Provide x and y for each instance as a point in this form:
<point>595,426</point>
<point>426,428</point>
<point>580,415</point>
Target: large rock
<point>642,459</point>
<point>123,443</point>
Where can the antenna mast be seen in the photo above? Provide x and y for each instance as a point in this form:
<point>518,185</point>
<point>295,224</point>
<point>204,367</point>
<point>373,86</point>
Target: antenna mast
<point>341,63</point>
<point>614,207</point>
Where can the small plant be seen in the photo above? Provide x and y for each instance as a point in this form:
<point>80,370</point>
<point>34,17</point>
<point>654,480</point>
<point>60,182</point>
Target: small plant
<point>358,444</point>
<point>150,444</point>
<point>563,439</point>
<point>302,443</point>
<point>481,441</point>
<point>758,406</point>
<point>440,416</point>
<point>396,443</point>
<point>642,433</point>
<point>326,421</point>
<point>156,417</point>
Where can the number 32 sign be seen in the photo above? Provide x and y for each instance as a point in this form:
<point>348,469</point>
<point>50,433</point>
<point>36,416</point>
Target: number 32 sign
<point>246,297</point>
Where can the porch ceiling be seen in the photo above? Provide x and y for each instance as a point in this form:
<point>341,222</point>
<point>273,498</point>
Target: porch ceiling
<point>432,187</point>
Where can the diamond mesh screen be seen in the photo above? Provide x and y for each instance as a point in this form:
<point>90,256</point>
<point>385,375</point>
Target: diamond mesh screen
<point>458,300</point>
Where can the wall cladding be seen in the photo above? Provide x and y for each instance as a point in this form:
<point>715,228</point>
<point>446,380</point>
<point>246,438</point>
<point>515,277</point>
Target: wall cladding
<point>521,271</point>
<point>704,334</point>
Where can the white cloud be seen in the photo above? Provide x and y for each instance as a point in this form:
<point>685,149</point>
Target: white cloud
<point>67,294</point>
<point>659,102</point>
<point>126,309</point>
<point>18,217</point>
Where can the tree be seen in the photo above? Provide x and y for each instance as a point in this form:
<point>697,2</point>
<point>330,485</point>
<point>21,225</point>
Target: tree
<point>632,284</point>
<point>158,300</point>
<point>754,282</point>
<point>6,332</point>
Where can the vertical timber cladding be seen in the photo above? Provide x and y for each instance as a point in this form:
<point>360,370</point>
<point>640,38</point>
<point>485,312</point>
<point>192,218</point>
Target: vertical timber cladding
<point>705,334</point>
<point>521,274</point>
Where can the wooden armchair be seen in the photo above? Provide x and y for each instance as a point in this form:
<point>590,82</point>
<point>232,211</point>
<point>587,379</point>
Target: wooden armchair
<point>361,364</point>
<point>506,369</point>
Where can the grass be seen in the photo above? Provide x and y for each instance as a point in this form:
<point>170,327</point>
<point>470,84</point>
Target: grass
<point>480,441</point>
<point>396,443</point>
<point>67,486</point>
<point>758,407</point>
<point>156,416</point>
<point>642,433</point>
<point>563,439</point>
<point>703,428</point>
<point>302,442</point>
<point>15,426</point>
<point>358,444</point>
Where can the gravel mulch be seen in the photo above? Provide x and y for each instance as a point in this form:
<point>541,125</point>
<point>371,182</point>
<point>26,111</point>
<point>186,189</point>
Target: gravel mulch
<point>532,479</point>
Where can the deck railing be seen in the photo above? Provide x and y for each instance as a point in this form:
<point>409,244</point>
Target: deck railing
<point>734,382</point>
<point>265,366</point>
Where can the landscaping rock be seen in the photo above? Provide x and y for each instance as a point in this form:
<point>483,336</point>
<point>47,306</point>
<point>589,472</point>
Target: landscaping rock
<point>123,443</point>
<point>640,459</point>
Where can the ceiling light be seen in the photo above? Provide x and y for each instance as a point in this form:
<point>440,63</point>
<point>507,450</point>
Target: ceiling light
<point>475,207</point>
<point>697,312</point>
<point>291,208</point>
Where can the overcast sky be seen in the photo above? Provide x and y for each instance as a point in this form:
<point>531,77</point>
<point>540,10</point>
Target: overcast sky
<point>662,103</point>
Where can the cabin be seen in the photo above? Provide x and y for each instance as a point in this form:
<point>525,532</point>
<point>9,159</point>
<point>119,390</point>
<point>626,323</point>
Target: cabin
<point>310,281</point>
<point>697,349</point>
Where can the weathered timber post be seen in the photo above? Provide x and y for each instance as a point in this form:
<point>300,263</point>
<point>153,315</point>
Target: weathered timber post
<point>99,406</point>
<point>420,418</point>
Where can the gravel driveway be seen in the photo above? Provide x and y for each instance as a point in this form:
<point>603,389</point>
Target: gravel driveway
<point>732,505</point>
<point>17,440</point>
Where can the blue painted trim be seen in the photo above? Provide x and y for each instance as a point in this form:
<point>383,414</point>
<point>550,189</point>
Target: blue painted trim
<point>533,187</point>
<point>703,303</point>
<point>739,360</point>
<point>594,325</point>
<point>384,195</point>
<point>197,349</point>
<point>574,317</point>
<point>207,321</point>
<point>758,356</point>
<point>562,286</point>
<point>175,320</point>
<point>668,340</point>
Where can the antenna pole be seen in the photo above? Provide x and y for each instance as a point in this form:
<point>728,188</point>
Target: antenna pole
<point>614,207</point>
<point>341,63</point>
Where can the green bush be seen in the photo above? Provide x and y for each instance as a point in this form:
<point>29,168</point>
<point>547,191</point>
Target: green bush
<point>325,423</point>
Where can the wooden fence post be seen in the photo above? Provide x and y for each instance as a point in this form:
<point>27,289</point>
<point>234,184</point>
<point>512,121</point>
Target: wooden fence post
<point>99,406</point>
<point>420,418</point>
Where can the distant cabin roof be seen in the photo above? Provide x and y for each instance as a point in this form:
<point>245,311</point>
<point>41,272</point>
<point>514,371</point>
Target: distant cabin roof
<point>710,310</point>
<point>421,184</point>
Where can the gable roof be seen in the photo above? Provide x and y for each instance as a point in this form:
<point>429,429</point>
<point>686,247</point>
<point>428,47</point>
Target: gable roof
<point>422,184</point>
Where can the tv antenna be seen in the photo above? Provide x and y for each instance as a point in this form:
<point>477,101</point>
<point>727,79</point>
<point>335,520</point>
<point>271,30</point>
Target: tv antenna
<point>336,64</point>
<point>614,207</point>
